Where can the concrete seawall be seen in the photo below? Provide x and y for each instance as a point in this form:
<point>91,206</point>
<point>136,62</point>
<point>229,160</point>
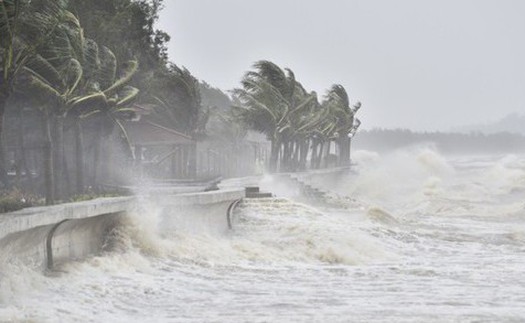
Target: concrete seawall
<point>198,213</point>
<point>43,237</point>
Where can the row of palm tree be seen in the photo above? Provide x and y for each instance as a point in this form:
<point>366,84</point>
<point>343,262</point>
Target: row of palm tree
<point>273,102</point>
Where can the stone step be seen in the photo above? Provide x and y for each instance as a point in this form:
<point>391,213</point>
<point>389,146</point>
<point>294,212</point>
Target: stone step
<point>263,201</point>
<point>258,195</point>
<point>251,189</point>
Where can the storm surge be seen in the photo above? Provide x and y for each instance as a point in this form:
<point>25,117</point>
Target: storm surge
<point>415,236</point>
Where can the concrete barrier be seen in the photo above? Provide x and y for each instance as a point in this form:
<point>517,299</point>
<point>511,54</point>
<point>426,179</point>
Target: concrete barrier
<point>77,239</point>
<point>27,235</point>
<point>43,237</point>
<point>38,216</point>
<point>198,213</point>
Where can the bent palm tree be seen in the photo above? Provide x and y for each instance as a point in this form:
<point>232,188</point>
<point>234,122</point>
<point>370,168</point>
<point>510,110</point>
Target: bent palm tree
<point>81,78</point>
<point>24,27</point>
<point>268,99</point>
<point>113,103</point>
<point>338,103</point>
<point>180,104</point>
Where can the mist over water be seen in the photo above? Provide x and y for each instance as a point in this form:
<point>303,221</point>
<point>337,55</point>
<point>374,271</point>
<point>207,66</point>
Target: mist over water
<point>422,238</point>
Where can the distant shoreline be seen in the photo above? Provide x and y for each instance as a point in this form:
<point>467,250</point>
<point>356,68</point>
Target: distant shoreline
<point>385,140</point>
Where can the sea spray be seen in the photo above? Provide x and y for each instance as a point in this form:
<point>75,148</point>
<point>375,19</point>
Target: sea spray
<point>18,280</point>
<point>403,176</point>
<point>506,176</point>
<point>380,215</point>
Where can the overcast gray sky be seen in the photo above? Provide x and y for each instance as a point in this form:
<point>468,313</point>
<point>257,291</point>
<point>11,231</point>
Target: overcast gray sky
<point>419,64</point>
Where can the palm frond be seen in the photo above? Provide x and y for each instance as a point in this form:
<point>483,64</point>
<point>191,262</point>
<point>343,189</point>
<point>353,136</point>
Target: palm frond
<point>107,72</point>
<point>130,69</point>
<point>73,76</point>
<point>127,96</point>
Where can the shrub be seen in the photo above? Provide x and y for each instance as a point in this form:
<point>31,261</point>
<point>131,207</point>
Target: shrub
<point>14,199</point>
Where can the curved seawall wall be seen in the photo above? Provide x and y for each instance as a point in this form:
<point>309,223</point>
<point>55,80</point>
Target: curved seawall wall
<point>198,213</point>
<point>43,237</point>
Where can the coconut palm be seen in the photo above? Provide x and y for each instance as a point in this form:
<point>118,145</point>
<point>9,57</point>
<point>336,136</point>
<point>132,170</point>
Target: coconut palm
<point>81,79</point>
<point>305,127</point>
<point>109,97</point>
<point>61,74</point>
<point>301,121</point>
<point>179,104</point>
<point>268,99</point>
<point>24,27</point>
<point>55,72</point>
<point>338,103</point>
<point>323,133</point>
<point>111,107</point>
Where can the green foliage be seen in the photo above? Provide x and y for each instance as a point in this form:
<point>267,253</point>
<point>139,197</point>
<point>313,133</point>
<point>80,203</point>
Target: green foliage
<point>341,115</point>
<point>214,97</point>
<point>25,26</point>
<point>13,200</point>
<point>127,28</point>
<point>90,195</point>
<point>179,103</point>
<point>271,100</point>
<point>274,103</point>
<point>225,127</point>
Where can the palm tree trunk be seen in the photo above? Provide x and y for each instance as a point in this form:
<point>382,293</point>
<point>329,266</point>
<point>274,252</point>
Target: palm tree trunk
<point>48,161</point>
<point>289,156</point>
<point>303,154</point>
<point>344,148</point>
<point>319,155</point>
<point>286,155</point>
<point>18,150</point>
<point>324,155</point>
<point>349,152</point>
<point>67,180</point>
<point>3,166</point>
<point>293,156</point>
<point>274,154</point>
<point>22,161</point>
<point>313,155</point>
<point>96,156</point>
<point>192,160</point>
<point>340,147</point>
<point>59,158</point>
<point>79,155</point>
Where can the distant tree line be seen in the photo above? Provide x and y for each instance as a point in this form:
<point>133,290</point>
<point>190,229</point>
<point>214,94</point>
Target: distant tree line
<point>453,143</point>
